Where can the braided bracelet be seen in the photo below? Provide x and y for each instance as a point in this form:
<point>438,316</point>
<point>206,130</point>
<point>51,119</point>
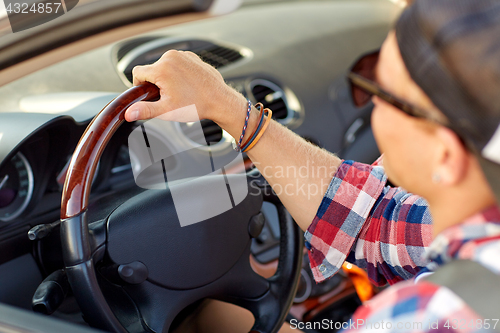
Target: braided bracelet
<point>238,146</point>
<point>252,136</point>
<point>251,144</point>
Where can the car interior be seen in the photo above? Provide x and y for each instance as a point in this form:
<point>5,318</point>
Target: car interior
<point>122,262</point>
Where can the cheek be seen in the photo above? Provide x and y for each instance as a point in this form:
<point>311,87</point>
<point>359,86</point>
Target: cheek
<point>402,144</point>
<point>384,126</point>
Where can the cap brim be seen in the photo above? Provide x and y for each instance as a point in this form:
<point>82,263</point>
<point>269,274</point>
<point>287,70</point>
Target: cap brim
<point>492,172</point>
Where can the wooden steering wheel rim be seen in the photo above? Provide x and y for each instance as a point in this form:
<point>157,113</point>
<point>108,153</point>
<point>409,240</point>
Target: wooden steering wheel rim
<point>87,153</point>
<point>76,248</point>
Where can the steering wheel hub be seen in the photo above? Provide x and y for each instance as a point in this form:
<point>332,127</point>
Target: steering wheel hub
<point>146,229</point>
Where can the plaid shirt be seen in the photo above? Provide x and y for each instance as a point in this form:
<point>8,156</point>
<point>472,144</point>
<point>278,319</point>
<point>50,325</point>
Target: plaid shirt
<point>382,229</point>
<point>389,232</point>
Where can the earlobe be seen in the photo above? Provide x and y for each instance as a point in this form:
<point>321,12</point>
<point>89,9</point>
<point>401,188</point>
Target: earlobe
<point>453,158</point>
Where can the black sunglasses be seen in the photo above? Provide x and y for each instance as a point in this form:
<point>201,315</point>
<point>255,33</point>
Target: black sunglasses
<point>363,86</point>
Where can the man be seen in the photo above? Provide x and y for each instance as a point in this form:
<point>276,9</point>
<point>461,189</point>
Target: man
<point>436,120</point>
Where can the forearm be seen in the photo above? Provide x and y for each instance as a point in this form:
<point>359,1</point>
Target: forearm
<point>298,171</point>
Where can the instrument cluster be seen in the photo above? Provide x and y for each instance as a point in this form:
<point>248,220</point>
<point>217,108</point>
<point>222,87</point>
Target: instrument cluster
<point>16,187</point>
<point>32,176</point>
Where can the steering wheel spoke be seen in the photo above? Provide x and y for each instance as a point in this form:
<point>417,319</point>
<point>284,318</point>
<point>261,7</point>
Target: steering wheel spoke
<point>241,282</point>
<point>158,306</point>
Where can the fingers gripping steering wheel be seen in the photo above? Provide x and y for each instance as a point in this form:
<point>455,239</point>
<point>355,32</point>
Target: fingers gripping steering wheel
<point>168,267</point>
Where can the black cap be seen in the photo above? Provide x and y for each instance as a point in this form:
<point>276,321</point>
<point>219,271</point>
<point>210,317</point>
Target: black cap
<point>452,50</point>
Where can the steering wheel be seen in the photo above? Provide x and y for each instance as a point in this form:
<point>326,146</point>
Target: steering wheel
<point>137,269</point>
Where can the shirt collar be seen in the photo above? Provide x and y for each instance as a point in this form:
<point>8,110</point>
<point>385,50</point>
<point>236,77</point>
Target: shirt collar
<point>460,240</point>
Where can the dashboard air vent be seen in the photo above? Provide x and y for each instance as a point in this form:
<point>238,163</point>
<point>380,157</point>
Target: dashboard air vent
<point>218,56</point>
<point>212,133</point>
<point>271,96</point>
<point>129,76</point>
<point>144,51</point>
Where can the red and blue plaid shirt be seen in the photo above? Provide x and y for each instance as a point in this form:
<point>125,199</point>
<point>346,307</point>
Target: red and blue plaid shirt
<point>388,232</point>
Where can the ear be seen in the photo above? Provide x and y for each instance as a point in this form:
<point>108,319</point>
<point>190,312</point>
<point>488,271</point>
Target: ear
<point>452,162</point>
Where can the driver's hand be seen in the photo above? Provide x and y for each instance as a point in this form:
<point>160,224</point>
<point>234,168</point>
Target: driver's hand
<point>190,90</point>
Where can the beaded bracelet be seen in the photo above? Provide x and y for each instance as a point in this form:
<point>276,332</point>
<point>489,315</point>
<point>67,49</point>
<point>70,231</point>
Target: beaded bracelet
<point>252,136</point>
<point>251,144</point>
<point>238,146</point>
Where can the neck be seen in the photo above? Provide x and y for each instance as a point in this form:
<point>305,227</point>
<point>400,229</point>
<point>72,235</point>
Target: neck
<point>453,205</point>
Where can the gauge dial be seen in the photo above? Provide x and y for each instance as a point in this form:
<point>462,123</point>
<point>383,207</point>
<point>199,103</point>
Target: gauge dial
<point>16,187</point>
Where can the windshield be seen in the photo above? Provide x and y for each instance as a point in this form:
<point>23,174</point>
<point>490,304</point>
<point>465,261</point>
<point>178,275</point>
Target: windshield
<point>20,15</point>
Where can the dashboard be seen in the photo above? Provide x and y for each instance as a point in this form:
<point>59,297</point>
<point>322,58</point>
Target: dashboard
<point>291,56</point>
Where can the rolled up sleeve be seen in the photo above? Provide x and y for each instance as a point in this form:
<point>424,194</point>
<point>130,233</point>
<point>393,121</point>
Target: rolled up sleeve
<point>350,197</point>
